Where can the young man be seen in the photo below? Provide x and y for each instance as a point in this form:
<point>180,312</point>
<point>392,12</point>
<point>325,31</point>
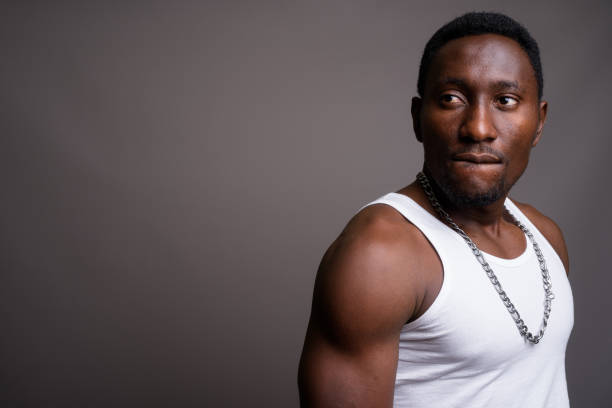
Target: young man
<point>447,293</point>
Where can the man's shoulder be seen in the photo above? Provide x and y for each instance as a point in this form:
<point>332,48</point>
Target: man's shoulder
<point>371,269</point>
<point>377,233</point>
<point>549,228</point>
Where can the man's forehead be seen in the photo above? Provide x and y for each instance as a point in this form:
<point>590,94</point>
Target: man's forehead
<point>490,57</point>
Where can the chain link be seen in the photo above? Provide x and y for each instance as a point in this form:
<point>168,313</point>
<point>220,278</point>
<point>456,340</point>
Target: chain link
<point>549,295</point>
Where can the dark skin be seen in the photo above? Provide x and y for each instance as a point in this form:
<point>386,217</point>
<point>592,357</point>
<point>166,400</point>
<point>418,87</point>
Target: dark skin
<point>478,120</point>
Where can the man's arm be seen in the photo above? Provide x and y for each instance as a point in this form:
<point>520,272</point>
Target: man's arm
<point>365,291</point>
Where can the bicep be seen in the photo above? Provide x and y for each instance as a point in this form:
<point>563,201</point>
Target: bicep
<point>338,375</point>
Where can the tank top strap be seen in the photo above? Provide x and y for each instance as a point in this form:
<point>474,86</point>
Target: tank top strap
<point>540,238</point>
<point>430,226</point>
<point>513,208</point>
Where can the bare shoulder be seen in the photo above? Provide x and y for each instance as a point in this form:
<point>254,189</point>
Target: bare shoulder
<point>368,280</point>
<point>549,229</point>
<point>369,284</point>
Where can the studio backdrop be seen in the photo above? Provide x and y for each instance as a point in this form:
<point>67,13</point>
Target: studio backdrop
<point>172,173</point>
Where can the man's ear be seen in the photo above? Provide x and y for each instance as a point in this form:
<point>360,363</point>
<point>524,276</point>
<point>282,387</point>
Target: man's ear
<point>541,119</point>
<point>415,110</point>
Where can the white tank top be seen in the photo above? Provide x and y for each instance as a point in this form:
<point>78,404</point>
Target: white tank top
<point>465,350</point>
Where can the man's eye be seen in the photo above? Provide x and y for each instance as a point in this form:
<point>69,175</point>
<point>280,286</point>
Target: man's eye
<point>507,101</point>
<point>449,98</point>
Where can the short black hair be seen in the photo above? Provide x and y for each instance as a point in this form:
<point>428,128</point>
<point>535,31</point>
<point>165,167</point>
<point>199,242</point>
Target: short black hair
<point>476,23</point>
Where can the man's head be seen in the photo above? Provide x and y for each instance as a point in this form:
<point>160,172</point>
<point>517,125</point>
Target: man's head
<point>481,23</point>
<point>480,110</point>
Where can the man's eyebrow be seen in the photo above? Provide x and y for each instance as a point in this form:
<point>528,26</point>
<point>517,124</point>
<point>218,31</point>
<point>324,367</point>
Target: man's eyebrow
<point>506,85</point>
<point>501,84</point>
<point>453,81</point>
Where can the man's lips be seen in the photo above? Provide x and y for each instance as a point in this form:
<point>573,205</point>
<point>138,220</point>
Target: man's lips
<point>480,158</point>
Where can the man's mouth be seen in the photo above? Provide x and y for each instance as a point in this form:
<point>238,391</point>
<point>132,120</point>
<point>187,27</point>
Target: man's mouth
<point>478,158</point>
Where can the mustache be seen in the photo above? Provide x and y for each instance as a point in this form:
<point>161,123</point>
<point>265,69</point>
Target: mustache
<point>482,149</point>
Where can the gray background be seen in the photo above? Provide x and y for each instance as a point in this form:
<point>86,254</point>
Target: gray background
<point>173,172</point>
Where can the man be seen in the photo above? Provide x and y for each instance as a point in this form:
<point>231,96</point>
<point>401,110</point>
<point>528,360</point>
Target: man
<point>447,293</point>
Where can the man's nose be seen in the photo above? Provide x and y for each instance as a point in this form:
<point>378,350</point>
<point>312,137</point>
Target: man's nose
<point>478,123</point>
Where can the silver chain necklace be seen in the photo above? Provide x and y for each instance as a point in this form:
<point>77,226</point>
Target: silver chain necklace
<point>549,295</point>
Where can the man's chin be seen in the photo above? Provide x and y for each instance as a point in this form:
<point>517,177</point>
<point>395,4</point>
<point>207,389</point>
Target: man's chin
<point>466,189</point>
<point>463,198</point>
<point>478,200</point>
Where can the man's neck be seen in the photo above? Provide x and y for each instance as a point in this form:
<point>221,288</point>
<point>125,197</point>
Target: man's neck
<point>487,218</point>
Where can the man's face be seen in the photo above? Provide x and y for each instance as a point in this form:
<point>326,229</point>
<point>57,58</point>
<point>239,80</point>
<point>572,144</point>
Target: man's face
<point>479,117</point>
